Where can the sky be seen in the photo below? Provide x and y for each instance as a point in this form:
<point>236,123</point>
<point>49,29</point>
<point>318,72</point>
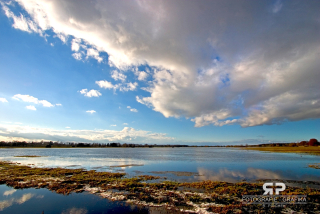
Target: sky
<point>160,72</point>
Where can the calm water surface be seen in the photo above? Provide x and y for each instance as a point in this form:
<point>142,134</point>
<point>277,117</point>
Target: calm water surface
<point>220,164</point>
<point>39,201</point>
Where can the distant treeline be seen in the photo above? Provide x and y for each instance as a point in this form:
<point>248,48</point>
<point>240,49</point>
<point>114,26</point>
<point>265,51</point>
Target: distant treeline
<point>311,142</point>
<point>50,144</point>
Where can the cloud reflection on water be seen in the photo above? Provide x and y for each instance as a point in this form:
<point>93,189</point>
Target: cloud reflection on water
<point>75,210</point>
<point>9,192</point>
<point>7,203</point>
<point>99,164</point>
<point>251,174</point>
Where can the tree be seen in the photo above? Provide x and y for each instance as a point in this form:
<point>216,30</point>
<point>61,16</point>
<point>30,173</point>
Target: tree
<point>114,144</point>
<point>303,143</point>
<point>313,142</point>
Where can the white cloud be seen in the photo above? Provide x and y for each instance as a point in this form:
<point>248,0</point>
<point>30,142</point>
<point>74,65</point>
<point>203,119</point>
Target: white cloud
<point>91,111</point>
<point>94,54</point>
<point>67,127</point>
<point>4,100</point>
<point>105,84</point>
<point>58,104</point>
<point>237,59</point>
<point>62,37</point>
<point>25,98</point>
<point>113,125</point>
<point>31,108</point>
<point>21,22</point>
<point>28,133</point>
<point>31,99</point>
<point>134,110</point>
<point>217,118</point>
<point>142,75</point>
<point>128,86</point>
<point>268,111</point>
<point>75,44</point>
<point>91,93</point>
<point>118,76</point>
<point>125,124</point>
<point>45,103</point>
<point>77,56</point>
<point>121,86</point>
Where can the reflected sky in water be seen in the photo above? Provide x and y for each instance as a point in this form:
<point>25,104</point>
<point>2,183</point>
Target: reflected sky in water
<point>42,200</point>
<point>221,164</point>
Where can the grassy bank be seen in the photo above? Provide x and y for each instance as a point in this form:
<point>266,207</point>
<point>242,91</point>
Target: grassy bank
<point>314,150</point>
<point>210,196</point>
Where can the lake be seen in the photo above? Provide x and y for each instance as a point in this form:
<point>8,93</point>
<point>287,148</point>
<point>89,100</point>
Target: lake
<point>181,164</point>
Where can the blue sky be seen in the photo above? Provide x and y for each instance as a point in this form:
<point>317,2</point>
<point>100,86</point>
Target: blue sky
<point>159,72</point>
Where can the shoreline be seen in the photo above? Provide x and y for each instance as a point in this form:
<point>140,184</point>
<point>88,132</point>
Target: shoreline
<point>310,150</point>
<point>146,190</point>
<point>307,150</point>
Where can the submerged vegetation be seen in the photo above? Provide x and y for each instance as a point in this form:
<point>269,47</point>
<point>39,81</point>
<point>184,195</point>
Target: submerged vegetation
<point>315,166</point>
<point>204,196</point>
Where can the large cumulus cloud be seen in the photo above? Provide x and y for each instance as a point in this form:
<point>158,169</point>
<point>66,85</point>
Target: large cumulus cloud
<point>215,62</point>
